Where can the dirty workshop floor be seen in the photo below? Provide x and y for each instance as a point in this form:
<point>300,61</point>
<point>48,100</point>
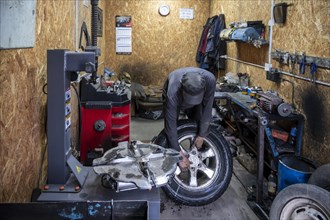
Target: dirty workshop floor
<point>231,205</point>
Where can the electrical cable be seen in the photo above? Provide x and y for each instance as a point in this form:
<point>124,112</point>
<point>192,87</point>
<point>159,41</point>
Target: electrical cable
<point>292,94</point>
<point>84,31</point>
<point>41,163</point>
<point>45,147</point>
<point>43,88</point>
<point>79,116</point>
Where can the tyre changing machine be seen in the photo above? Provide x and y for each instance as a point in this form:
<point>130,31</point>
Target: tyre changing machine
<point>74,191</point>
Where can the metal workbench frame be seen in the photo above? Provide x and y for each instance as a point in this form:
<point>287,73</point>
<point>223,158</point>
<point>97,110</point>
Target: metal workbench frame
<point>245,102</point>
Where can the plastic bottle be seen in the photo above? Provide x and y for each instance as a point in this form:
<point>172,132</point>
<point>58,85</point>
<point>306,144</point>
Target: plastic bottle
<point>293,134</point>
<point>272,185</point>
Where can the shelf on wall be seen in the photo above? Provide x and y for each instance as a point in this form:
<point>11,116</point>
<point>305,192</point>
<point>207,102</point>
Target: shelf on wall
<point>244,35</point>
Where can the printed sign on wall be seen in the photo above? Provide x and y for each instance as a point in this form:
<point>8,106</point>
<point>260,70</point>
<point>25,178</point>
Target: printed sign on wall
<point>123,35</point>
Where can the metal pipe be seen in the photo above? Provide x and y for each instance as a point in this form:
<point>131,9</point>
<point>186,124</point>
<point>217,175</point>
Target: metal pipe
<point>292,94</point>
<point>76,21</point>
<point>271,24</point>
<point>304,78</point>
<point>282,72</point>
<point>241,61</point>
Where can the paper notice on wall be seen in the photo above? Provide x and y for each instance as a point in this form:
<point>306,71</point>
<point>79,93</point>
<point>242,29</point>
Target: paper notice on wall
<point>186,13</point>
<point>123,34</point>
<point>124,40</point>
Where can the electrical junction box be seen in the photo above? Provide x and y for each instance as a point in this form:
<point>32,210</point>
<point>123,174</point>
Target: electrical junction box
<point>17,24</point>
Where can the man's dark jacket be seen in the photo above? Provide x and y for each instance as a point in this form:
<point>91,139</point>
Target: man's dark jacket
<point>174,102</point>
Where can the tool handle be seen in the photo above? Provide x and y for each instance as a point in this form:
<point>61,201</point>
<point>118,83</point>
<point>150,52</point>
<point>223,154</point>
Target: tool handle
<point>302,67</point>
<point>313,68</point>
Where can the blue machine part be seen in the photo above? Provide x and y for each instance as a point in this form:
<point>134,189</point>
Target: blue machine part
<point>271,141</point>
<point>245,34</point>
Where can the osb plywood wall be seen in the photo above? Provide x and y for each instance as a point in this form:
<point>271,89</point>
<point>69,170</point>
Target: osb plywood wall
<point>160,44</point>
<point>307,29</point>
<point>22,102</point>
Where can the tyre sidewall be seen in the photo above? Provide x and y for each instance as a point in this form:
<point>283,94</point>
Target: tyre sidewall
<point>220,182</point>
<point>321,177</point>
<point>297,191</point>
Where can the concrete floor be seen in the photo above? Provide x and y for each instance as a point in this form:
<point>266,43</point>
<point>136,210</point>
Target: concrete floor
<point>231,205</point>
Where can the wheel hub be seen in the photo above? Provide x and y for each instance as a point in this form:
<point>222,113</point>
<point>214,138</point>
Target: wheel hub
<point>307,212</point>
<point>194,158</point>
<point>303,209</point>
<point>203,165</point>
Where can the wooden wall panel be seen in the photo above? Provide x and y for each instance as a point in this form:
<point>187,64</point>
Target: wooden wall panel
<point>23,72</point>
<point>160,44</point>
<point>22,112</point>
<point>307,29</point>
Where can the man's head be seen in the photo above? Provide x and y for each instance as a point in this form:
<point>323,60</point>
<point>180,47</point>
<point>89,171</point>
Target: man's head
<point>193,86</point>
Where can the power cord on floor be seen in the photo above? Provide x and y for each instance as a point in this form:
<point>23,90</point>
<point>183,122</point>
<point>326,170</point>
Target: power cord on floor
<point>41,163</point>
<point>44,149</point>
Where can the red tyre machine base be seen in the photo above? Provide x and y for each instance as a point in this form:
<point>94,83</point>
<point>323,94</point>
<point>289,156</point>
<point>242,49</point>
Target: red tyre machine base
<point>105,119</point>
<point>96,128</point>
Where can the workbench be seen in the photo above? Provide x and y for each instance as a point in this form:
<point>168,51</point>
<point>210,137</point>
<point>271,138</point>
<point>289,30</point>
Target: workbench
<point>248,103</point>
<point>93,202</point>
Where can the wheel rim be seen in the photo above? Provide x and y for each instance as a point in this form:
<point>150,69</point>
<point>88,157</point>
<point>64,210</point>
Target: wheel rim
<point>303,208</point>
<point>204,165</point>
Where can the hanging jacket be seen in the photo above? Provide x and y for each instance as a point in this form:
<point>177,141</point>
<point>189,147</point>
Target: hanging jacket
<point>221,45</point>
<point>203,40</point>
<point>208,55</point>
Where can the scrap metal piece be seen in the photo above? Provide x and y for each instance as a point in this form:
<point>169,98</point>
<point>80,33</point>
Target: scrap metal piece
<point>143,165</point>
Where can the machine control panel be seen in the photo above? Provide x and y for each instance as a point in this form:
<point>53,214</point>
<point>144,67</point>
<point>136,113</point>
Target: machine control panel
<point>67,122</point>
<point>67,95</point>
<point>67,108</point>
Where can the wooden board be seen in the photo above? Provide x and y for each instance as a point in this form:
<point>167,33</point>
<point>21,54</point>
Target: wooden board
<point>23,73</point>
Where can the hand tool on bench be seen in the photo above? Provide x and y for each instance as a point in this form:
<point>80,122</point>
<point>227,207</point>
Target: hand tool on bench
<point>313,70</point>
<point>302,64</point>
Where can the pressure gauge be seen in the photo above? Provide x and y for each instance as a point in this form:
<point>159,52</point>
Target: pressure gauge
<point>164,10</point>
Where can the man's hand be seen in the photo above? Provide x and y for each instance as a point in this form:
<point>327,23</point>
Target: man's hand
<point>199,142</point>
<point>184,164</point>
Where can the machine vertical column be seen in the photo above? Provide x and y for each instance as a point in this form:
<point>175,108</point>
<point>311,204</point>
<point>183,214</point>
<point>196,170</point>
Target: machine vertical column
<point>58,119</point>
